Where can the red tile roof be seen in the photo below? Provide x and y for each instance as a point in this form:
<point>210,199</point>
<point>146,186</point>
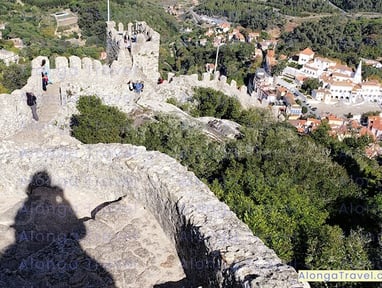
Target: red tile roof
<point>307,51</point>
<point>342,67</point>
<point>371,83</point>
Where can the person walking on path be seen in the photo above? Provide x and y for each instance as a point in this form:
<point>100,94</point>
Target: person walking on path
<point>45,70</point>
<point>31,101</point>
<point>44,80</point>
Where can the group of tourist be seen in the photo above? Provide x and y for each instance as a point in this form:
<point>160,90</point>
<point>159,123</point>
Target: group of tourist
<point>31,98</point>
<point>127,42</point>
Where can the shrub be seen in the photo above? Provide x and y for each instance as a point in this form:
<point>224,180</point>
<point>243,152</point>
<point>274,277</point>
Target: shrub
<point>98,123</point>
<point>215,104</point>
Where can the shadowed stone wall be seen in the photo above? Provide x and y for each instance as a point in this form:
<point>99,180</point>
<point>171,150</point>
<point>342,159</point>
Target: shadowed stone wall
<point>216,249</point>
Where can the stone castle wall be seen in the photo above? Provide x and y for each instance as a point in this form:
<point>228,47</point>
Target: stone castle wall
<point>90,77</point>
<point>14,113</point>
<point>87,76</point>
<point>214,246</point>
<point>216,249</point>
<point>143,52</point>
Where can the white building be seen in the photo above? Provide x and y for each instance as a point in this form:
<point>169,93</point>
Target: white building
<point>339,82</point>
<point>322,95</point>
<point>341,89</point>
<point>341,69</point>
<point>8,57</point>
<point>311,71</point>
<point>323,63</point>
<point>336,76</point>
<point>305,56</point>
<point>371,91</point>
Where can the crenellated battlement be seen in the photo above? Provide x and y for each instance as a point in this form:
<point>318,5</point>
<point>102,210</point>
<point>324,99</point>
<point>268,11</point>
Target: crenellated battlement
<point>216,82</point>
<point>137,47</point>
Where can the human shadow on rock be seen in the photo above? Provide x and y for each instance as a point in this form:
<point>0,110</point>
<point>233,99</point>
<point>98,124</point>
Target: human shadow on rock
<point>184,283</point>
<point>47,252</point>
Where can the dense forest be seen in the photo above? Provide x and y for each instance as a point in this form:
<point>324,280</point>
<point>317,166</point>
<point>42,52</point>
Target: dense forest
<point>242,12</point>
<point>237,11</point>
<point>300,7</point>
<point>262,14</point>
<point>341,38</point>
<point>188,57</point>
<point>313,199</point>
<point>36,28</point>
<point>359,5</point>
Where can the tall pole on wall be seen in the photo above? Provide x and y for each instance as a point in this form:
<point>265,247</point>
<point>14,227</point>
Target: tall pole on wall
<point>217,55</point>
<point>216,59</point>
<point>108,10</point>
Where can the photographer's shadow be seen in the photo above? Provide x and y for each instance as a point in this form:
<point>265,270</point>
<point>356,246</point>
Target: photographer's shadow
<point>46,252</point>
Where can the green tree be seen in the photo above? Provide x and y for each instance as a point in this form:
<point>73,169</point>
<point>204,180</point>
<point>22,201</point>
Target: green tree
<point>15,76</point>
<point>310,84</point>
<point>214,103</point>
<point>279,68</point>
<point>331,250</point>
<point>287,188</point>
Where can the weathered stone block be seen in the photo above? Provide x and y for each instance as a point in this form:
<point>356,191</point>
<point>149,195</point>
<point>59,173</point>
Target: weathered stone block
<point>61,62</point>
<point>223,79</point>
<point>120,27</point>
<point>97,67</point>
<point>206,77</point>
<point>87,64</point>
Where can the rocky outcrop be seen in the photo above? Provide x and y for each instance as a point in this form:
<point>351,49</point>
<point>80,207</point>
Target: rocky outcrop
<point>215,248</point>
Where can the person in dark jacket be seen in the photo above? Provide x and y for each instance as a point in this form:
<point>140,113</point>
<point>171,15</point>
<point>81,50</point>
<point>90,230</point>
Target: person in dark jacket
<point>31,102</point>
<point>44,80</point>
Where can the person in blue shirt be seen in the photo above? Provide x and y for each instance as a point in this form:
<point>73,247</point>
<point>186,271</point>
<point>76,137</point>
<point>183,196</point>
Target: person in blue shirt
<point>138,87</point>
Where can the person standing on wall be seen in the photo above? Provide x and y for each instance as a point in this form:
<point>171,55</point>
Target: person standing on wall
<point>44,78</point>
<point>31,102</point>
<point>45,70</point>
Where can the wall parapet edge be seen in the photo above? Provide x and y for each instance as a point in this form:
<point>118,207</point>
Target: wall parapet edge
<point>214,246</point>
